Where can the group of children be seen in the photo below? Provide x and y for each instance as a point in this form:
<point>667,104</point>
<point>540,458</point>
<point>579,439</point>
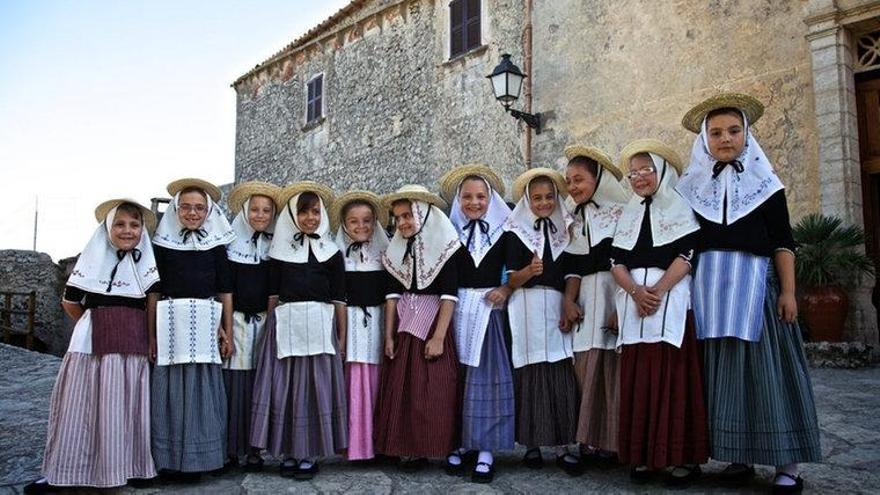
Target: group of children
<point>642,312</point>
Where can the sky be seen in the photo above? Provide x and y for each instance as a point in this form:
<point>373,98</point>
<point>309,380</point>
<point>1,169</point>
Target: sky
<point>103,99</point>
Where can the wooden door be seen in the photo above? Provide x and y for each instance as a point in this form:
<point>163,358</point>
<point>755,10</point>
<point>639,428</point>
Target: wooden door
<point>868,108</point>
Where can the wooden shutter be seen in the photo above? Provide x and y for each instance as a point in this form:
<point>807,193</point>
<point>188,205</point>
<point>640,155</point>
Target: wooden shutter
<point>472,25</point>
<point>457,27</point>
<point>315,98</point>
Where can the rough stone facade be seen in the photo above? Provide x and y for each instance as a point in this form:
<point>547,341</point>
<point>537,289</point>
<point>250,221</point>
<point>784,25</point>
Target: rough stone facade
<point>604,72</point>
<point>25,271</point>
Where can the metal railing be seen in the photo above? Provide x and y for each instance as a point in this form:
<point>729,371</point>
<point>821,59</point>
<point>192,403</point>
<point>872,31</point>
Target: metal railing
<point>8,310</point>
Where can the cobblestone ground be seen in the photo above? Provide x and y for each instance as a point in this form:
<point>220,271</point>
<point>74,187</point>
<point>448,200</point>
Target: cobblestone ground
<point>849,415</point>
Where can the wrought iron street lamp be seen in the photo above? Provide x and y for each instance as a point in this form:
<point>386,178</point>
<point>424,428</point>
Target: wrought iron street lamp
<point>507,82</point>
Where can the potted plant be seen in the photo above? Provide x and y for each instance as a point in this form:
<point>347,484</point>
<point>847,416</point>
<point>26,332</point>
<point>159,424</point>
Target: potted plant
<point>830,259</point>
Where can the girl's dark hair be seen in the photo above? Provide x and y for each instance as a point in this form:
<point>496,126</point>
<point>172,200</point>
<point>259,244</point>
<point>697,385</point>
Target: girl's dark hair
<point>726,111</point>
<point>587,163</point>
<point>474,177</point>
<point>192,189</point>
<point>353,203</point>
<point>542,179</point>
<point>306,201</point>
<point>131,210</point>
<point>400,202</point>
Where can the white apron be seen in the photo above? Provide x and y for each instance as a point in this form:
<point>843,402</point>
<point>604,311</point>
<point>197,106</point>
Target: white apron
<point>666,324</point>
<point>245,335</point>
<point>365,340</point>
<point>81,339</point>
<point>304,328</point>
<point>186,331</point>
<point>596,299</point>
<point>534,327</point>
<point>471,319</point>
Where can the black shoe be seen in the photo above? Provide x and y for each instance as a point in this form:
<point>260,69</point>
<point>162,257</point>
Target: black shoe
<point>304,474</point>
<point>606,460</point>
<point>287,469</point>
<point>736,474</point>
<point>693,473</point>
<point>571,468</point>
<point>412,465</point>
<point>533,459</point>
<point>39,486</point>
<point>141,483</point>
<point>253,464</point>
<point>188,478</point>
<point>640,476</point>
<point>451,468</point>
<point>797,487</point>
<point>481,477</point>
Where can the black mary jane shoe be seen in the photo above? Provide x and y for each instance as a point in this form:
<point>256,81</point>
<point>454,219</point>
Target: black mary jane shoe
<point>797,487</point>
<point>533,459</point>
<point>305,474</point>
<point>693,474</point>
<point>571,468</point>
<point>606,460</point>
<point>412,465</point>
<point>288,468</point>
<point>141,483</point>
<point>736,474</point>
<point>451,468</point>
<point>640,476</point>
<point>253,464</point>
<point>39,486</point>
<point>483,477</point>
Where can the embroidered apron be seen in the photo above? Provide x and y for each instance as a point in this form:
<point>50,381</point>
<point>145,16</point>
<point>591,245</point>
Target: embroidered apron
<point>247,330</point>
<point>666,324</point>
<point>596,299</point>
<point>364,337</point>
<point>304,328</point>
<point>187,331</point>
<point>471,319</point>
<point>534,327</point>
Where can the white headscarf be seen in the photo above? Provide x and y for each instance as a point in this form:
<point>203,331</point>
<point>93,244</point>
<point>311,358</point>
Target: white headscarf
<point>101,270</point>
<point>596,220</point>
<point>744,191</point>
<point>532,230</point>
<point>249,247</point>
<point>365,256</point>
<point>671,216</point>
<point>427,251</point>
<point>215,231</point>
<point>292,245</point>
<point>478,236</point>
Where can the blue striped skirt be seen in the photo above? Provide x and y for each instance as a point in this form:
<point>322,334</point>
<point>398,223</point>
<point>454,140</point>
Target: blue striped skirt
<point>729,287</point>
<point>488,407</point>
<point>759,397</point>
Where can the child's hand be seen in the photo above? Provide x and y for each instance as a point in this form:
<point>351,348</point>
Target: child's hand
<point>153,351</point>
<point>536,267</point>
<point>498,295</point>
<point>389,348</point>
<point>571,315</point>
<point>611,323</point>
<point>433,349</point>
<point>786,307</point>
<point>341,348</point>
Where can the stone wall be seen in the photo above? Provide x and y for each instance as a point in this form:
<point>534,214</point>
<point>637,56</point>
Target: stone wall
<point>25,271</point>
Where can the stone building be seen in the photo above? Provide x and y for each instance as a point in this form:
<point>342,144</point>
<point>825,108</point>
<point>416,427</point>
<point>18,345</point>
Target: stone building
<point>387,92</point>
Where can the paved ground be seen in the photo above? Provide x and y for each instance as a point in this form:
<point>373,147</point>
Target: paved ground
<point>849,415</point>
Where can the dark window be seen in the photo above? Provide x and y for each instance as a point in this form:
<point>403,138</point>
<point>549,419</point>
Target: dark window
<point>314,102</point>
<point>464,26</point>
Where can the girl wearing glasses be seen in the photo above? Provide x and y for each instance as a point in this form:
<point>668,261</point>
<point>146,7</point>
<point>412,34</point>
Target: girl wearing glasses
<point>662,416</point>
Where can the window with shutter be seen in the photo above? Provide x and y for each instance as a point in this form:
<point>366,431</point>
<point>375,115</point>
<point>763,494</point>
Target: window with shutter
<point>464,26</point>
<point>314,99</point>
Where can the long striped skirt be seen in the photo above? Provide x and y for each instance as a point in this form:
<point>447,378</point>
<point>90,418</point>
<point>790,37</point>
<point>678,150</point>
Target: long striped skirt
<point>662,412</point>
<point>299,405</point>
<point>99,421</point>
<point>418,410</point>
<point>239,386</point>
<point>598,374</point>
<point>760,399</point>
<point>363,388</point>
<point>547,403</point>
<point>188,417</point>
<point>488,405</point>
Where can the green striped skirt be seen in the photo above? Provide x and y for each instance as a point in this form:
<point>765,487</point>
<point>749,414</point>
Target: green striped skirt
<point>759,397</point>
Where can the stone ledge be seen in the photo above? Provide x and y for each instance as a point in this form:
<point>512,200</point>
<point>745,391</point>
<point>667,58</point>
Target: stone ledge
<point>838,354</point>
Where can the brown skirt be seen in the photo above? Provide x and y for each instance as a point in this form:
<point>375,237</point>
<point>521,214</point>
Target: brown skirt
<point>418,412</point>
<point>598,374</point>
<point>662,413</point>
<point>546,404</point>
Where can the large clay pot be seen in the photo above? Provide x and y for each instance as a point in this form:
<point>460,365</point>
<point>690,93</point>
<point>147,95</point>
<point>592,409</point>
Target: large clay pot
<point>824,310</point>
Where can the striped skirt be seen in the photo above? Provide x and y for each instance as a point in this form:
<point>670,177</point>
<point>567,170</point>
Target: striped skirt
<point>598,374</point>
<point>418,409</point>
<point>239,386</point>
<point>662,412</point>
<point>299,405</point>
<point>363,387</point>
<point>488,405</point>
<point>99,421</point>
<point>547,403</point>
<point>188,417</point>
<point>760,399</point>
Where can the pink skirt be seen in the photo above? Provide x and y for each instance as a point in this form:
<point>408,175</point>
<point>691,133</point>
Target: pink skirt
<point>99,421</point>
<point>363,387</point>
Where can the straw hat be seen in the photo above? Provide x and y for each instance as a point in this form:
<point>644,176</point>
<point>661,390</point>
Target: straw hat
<point>291,190</point>
<point>596,154</point>
<point>245,190</point>
<point>357,195</point>
<point>104,208</point>
<point>751,107</point>
<point>650,146</point>
<point>519,185</point>
<point>181,184</point>
<point>413,191</point>
<point>450,181</point>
